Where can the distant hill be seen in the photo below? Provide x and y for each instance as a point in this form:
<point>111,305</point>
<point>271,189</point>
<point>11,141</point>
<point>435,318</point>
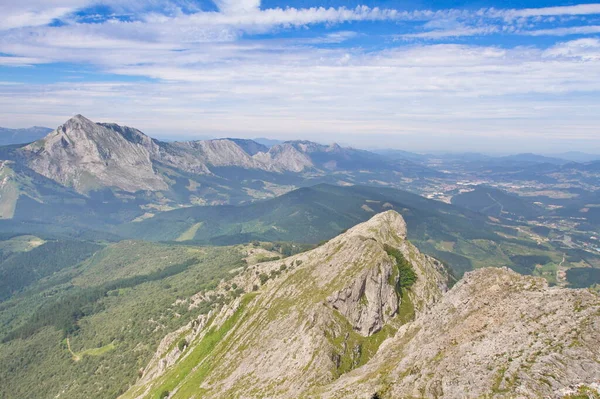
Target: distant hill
<point>495,202</point>
<point>268,142</point>
<point>400,155</point>
<point>308,215</point>
<point>314,214</point>
<point>22,136</point>
<point>576,156</point>
<point>532,158</point>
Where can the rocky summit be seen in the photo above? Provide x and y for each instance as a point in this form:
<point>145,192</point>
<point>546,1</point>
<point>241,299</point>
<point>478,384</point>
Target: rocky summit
<point>87,156</point>
<point>366,315</point>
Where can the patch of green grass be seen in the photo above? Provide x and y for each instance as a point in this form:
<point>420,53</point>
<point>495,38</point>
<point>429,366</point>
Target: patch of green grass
<point>93,351</point>
<point>193,369</point>
<point>190,233</point>
<point>353,350</point>
<point>406,312</point>
<point>406,274</point>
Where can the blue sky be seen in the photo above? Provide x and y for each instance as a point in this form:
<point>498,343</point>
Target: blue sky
<point>421,75</point>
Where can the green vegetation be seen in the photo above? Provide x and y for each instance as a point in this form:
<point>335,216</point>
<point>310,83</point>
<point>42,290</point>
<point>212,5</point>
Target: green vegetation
<point>90,352</point>
<point>25,268</point>
<point>190,233</point>
<point>194,368</point>
<point>584,392</point>
<point>525,264</point>
<point>132,258</point>
<point>65,312</point>
<point>352,350</point>
<point>582,277</point>
<point>406,274</point>
<point>22,243</point>
<point>494,202</point>
<point>461,238</point>
<point>113,323</point>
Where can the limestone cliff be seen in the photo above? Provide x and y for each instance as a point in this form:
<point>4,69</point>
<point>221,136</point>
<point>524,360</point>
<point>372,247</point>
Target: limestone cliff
<point>324,313</point>
<point>333,323</point>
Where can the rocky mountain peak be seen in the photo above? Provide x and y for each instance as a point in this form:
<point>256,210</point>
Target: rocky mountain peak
<point>386,227</point>
<point>85,156</point>
<point>334,323</point>
<point>77,123</point>
<point>321,314</point>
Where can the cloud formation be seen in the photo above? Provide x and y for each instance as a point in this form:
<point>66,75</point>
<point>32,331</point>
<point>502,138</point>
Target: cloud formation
<point>230,71</point>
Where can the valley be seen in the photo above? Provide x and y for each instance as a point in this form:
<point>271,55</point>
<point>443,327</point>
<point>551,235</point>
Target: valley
<point>128,265</point>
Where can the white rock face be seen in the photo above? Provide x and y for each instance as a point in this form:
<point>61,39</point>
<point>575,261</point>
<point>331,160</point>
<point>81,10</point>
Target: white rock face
<point>495,333</point>
<point>370,300</point>
<point>87,156</point>
<point>285,157</point>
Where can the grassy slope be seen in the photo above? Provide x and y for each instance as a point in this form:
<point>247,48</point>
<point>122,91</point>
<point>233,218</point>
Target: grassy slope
<point>318,213</point>
<point>498,203</point>
<point>120,331</point>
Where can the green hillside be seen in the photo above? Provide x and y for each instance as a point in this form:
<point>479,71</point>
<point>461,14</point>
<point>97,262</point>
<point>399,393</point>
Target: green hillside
<point>82,328</point>
<point>462,238</point>
<point>494,202</point>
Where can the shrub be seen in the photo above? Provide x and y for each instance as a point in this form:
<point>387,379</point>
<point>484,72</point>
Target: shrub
<point>407,275</point>
<point>263,278</point>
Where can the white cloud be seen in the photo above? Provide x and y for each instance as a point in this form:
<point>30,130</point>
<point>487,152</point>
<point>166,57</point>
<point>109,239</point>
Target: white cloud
<point>580,9</point>
<point>430,89</point>
<point>571,30</point>
<point>458,32</point>
<point>18,14</point>
<point>582,49</point>
<point>19,61</point>
<point>237,6</point>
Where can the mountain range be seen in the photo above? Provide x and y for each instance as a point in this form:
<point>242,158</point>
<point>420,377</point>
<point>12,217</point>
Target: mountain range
<point>22,136</point>
<point>87,157</point>
<point>102,180</point>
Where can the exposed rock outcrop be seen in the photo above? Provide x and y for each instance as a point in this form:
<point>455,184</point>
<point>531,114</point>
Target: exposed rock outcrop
<point>496,333</point>
<point>87,156</point>
<point>332,326</point>
<point>370,300</point>
<point>289,337</point>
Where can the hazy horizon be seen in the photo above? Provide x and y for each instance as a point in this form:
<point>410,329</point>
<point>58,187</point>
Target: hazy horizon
<point>367,145</point>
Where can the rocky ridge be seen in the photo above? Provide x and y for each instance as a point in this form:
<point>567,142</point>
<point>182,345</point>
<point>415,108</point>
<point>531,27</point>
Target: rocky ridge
<point>87,156</point>
<point>320,315</point>
<point>331,323</point>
